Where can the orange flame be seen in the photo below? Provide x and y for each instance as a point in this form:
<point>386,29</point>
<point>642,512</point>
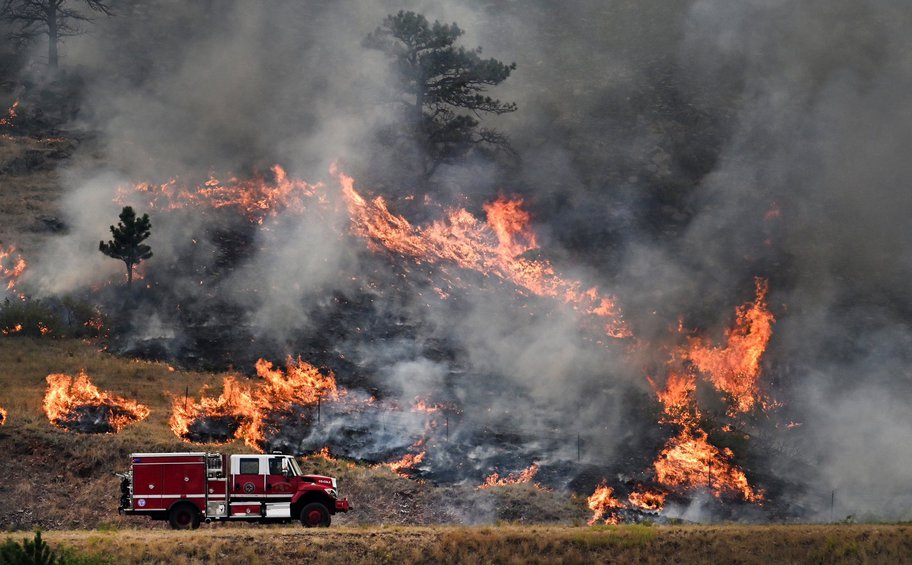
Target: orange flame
<point>2,416</point>
<point>12,265</point>
<point>256,197</point>
<point>604,506</point>
<point>647,499</point>
<point>524,476</point>
<point>735,368</point>
<point>66,395</point>
<point>14,330</point>
<point>408,461</point>
<point>236,401</point>
<point>7,121</point>
<point>493,247</point>
<point>688,461</point>
<point>300,383</point>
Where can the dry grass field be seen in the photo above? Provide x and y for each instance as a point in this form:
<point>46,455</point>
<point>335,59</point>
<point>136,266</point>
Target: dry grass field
<point>498,544</point>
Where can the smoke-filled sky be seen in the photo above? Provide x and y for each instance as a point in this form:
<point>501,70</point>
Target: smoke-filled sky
<point>669,153</point>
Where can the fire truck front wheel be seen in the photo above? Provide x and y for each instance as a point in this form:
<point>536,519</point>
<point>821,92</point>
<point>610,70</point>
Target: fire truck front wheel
<point>315,515</point>
<point>184,516</point>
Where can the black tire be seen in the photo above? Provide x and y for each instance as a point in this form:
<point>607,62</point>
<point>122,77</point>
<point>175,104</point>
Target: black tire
<point>184,516</point>
<point>315,515</point>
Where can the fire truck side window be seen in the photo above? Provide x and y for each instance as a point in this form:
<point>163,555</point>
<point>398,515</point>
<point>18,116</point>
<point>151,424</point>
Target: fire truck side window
<point>275,465</point>
<point>249,467</point>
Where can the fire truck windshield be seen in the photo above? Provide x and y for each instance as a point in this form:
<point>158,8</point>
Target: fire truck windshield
<point>295,470</point>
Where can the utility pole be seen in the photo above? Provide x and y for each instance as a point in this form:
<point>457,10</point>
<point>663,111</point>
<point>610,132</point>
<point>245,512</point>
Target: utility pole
<point>578,450</point>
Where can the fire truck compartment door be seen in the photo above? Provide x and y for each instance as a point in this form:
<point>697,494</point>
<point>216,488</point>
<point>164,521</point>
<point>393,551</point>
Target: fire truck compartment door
<point>185,480</point>
<point>278,510</point>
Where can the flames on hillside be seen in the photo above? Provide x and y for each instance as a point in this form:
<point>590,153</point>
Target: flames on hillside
<point>12,265</point>
<point>75,404</point>
<point>258,197</point>
<point>242,410</point>
<point>2,416</point>
<point>521,477</point>
<point>689,461</point>
<point>495,246</point>
<point>7,120</point>
<point>501,245</point>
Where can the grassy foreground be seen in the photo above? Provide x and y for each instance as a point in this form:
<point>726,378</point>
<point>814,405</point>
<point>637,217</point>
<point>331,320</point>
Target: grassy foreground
<point>503,544</point>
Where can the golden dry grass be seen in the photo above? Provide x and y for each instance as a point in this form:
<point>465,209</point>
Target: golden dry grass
<point>508,544</point>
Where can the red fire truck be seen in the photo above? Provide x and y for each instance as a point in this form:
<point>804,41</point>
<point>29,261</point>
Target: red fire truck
<point>187,488</point>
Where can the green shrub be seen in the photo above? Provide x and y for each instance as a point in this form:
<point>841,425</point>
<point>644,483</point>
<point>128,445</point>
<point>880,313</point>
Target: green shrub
<point>38,552</point>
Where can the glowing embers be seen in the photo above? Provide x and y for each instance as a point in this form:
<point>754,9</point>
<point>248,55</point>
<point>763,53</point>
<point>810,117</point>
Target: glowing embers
<point>245,411</point>
<point>605,507</point>
<point>75,404</point>
<point>256,197</point>
<point>524,476</point>
<point>495,246</point>
<point>12,265</point>
<point>7,120</point>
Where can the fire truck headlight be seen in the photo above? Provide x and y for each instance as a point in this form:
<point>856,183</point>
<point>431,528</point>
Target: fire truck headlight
<point>331,492</point>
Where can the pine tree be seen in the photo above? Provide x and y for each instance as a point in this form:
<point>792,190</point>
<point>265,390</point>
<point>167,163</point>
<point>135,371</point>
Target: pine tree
<point>442,86</point>
<point>127,243</point>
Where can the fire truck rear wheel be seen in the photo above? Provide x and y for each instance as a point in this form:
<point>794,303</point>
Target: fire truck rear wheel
<point>184,516</point>
<point>315,515</point>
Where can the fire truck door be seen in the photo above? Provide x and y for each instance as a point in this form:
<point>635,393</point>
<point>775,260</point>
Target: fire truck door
<point>190,479</point>
<point>249,480</point>
<point>277,485</point>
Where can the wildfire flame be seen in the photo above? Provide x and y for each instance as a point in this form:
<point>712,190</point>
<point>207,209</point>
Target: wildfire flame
<point>409,461</point>
<point>246,407</point>
<point>68,399</point>
<point>735,367</point>
<point>7,121</point>
<point>13,330</point>
<point>647,499</point>
<point>524,476</point>
<point>256,198</point>
<point>604,505</point>
<point>492,247</point>
<point>2,416</point>
<point>688,461</point>
<point>12,265</point>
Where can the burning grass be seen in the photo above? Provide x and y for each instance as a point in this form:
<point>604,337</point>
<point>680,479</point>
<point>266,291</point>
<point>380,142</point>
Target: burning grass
<point>75,404</point>
<point>242,411</point>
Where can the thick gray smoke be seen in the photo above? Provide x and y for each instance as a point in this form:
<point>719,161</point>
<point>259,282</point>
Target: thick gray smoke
<point>669,153</point>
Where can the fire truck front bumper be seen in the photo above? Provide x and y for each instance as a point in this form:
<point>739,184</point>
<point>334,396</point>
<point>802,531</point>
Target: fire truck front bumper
<point>343,505</point>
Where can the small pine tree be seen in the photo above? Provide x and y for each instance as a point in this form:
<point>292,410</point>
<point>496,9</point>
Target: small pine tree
<point>127,243</point>
<point>29,552</point>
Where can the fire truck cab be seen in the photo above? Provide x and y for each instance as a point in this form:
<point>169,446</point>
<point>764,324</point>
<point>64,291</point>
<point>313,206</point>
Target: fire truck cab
<point>187,488</point>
